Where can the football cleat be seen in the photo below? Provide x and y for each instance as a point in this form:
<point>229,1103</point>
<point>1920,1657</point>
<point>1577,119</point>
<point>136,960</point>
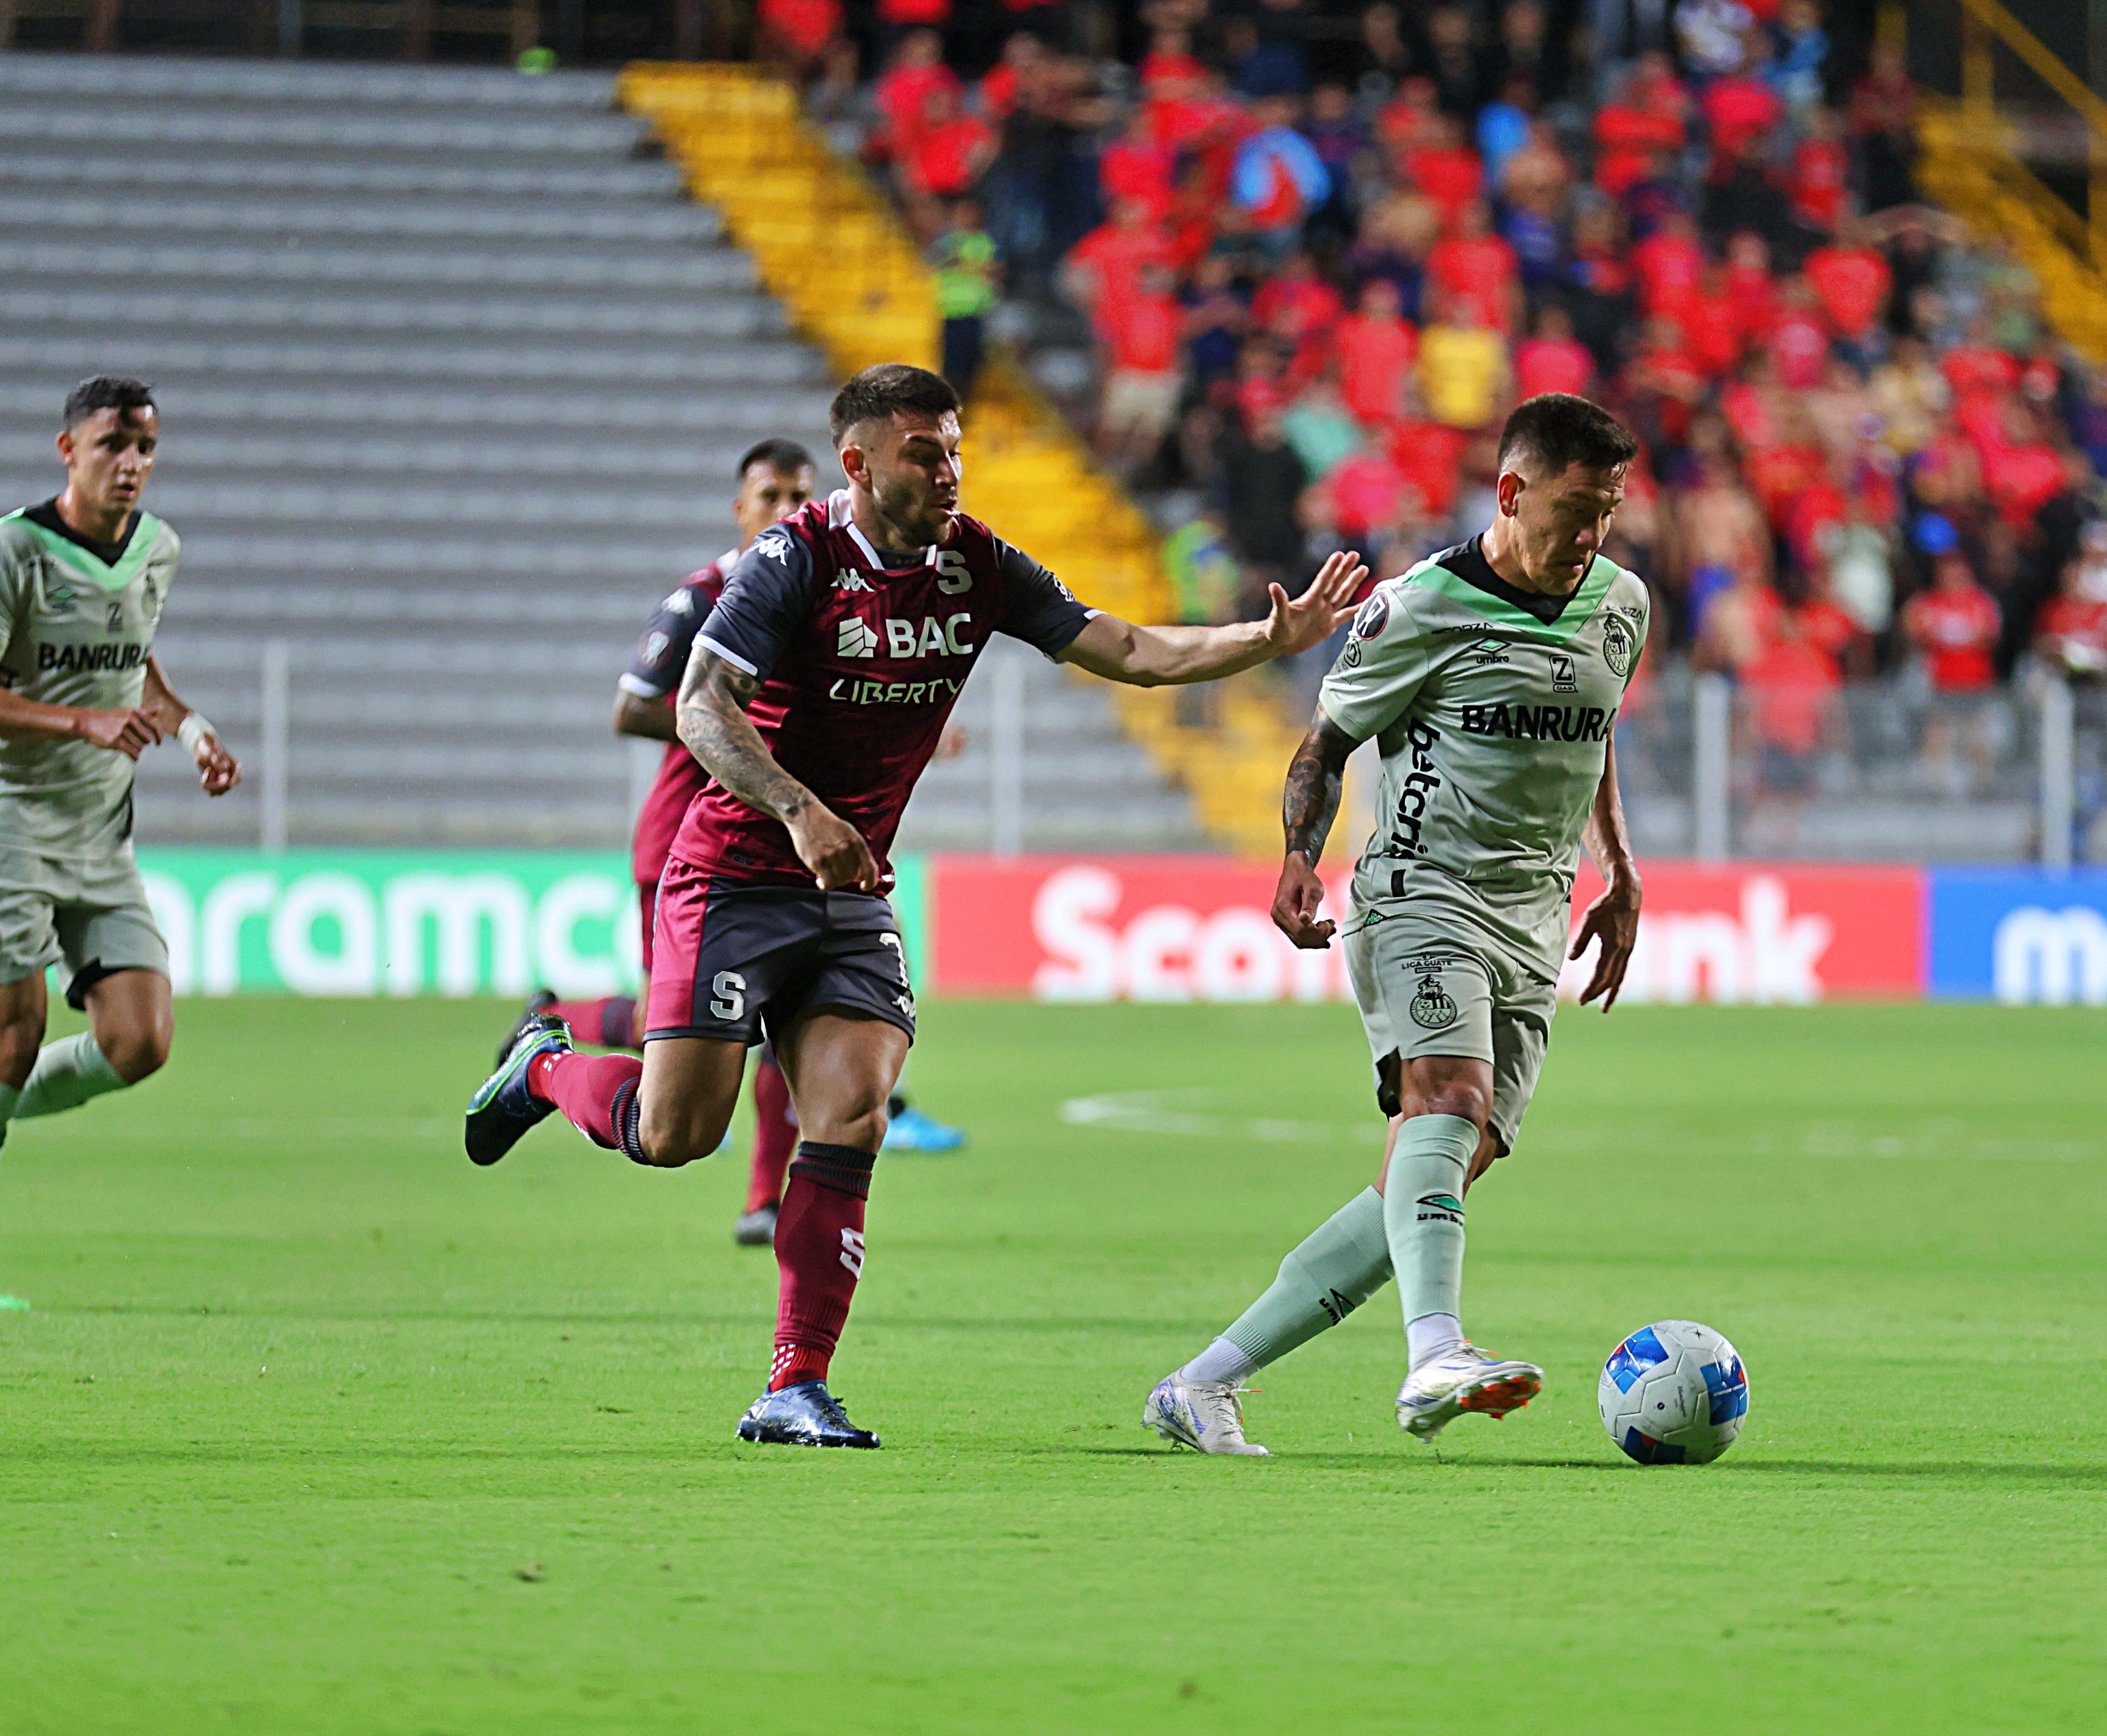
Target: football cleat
<point>501,1113</point>
<point>806,1414</point>
<point>755,1229</point>
<point>1202,1415</point>
<point>538,1004</point>
<point>1444,1387</point>
<point>913,1132</point>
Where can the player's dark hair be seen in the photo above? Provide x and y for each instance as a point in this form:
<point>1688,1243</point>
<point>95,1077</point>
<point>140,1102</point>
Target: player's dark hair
<point>1555,430</point>
<point>105,392</point>
<point>879,393</point>
<point>786,456</point>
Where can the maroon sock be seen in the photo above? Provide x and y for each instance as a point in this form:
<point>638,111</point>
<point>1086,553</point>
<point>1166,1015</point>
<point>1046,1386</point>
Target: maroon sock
<point>610,1022</point>
<point>774,1136</point>
<point>818,1252</point>
<point>597,1093</point>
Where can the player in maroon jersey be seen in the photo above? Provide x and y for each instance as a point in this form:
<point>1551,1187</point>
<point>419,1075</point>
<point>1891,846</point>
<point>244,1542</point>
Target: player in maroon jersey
<point>774,480</point>
<point>817,692</point>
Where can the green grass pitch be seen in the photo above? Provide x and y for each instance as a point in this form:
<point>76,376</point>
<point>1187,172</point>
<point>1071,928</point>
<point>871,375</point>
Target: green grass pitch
<point>315,1428</point>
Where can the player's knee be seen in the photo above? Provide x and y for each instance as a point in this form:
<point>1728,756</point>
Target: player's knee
<point>1464,1098</point>
<point>136,1051</point>
<point>860,1126</point>
<point>670,1142</point>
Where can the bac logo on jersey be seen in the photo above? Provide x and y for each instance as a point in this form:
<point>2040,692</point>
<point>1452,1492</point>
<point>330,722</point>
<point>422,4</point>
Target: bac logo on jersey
<point>1562,677</point>
<point>904,641</point>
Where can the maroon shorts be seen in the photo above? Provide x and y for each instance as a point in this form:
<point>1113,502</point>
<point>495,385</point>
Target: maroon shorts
<point>735,959</point>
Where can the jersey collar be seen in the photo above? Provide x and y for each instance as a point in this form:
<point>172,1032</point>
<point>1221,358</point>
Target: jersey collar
<point>92,560</point>
<point>839,517</point>
<point>1463,575</point>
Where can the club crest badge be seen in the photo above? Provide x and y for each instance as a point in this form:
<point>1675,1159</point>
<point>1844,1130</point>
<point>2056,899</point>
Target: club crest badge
<point>1433,1006</point>
<point>1617,645</point>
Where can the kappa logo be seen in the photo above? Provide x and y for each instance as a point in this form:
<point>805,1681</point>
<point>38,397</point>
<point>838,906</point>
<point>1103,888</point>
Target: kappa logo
<point>1562,677</point>
<point>1440,1208</point>
<point>857,638</point>
<point>680,603</point>
<point>1617,645</point>
<point>775,544</point>
<point>1487,652</point>
<point>849,579</point>
<point>1434,1006</point>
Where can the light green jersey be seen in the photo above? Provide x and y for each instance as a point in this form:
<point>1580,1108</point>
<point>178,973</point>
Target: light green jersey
<point>1494,726</point>
<point>75,629</point>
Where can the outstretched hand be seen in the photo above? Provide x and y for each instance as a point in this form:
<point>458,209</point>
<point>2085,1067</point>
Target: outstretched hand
<point>1613,919</point>
<point>218,771</point>
<point>1295,625</point>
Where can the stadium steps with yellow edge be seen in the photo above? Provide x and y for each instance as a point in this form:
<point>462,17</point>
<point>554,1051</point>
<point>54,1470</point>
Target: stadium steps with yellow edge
<point>1968,164</point>
<point>831,248</point>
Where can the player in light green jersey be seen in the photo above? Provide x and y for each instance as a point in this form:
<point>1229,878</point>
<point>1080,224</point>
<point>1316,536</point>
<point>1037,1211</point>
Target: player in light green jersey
<point>1490,677</point>
<point>84,579</point>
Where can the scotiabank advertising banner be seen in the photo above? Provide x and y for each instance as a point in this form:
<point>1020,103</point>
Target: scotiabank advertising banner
<point>1198,928</point>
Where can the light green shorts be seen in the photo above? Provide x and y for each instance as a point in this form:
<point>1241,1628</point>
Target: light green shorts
<point>1429,983</point>
<point>93,915</point>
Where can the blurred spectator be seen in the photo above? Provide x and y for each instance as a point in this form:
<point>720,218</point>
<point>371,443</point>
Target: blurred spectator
<point>1463,367</point>
<point>1472,269</point>
<point>1954,626</point>
<point>1276,177</point>
<point>1143,331</point>
<point>796,34</point>
<point>1375,347</point>
<point>1262,487</point>
<point>1552,359</point>
<point>1791,684</point>
<point>962,258</point>
<point>947,151</point>
<point>1203,570</point>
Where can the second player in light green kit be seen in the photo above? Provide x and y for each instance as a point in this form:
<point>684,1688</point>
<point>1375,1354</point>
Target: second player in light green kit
<point>1490,677</point>
<point>84,579</point>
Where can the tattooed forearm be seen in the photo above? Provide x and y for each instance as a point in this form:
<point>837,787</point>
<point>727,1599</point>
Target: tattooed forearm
<point>1315,778</point>
<point>713,726</point>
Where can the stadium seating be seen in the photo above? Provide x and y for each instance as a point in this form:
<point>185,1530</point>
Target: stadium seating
<point>454,378</point>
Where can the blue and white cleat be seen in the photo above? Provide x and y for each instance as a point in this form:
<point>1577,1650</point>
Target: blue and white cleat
<point>1202,1415</point>
<point>500,1113</point>
<point>913,1132</point>
<point>1464,1379</point>
<point>806,1414</point>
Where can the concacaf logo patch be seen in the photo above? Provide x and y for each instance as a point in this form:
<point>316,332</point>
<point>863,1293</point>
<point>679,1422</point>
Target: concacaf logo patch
<point>1373,618</point>
<point>1617,645</point>
<point>1433,1006</point>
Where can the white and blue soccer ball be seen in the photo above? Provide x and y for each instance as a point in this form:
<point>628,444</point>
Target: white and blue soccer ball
<point>1673,1393</point>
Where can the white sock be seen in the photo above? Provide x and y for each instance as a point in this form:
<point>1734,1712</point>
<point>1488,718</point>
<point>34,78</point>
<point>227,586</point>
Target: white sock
<point>1431,1334</point>
<point>1221,1363</point>
<point>68,1073</point>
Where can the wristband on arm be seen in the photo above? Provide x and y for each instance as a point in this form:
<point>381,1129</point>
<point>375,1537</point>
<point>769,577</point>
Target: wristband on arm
<point>194,728</point>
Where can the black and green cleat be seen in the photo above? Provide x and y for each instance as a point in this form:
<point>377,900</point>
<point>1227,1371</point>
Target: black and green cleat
<point>501,1113</point>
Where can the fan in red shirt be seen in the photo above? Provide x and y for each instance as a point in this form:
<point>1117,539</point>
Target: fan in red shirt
<point>818,690</point>
<point>1474,269</point>
<point>949,151</point>
<point>1375,346</point>
<point>1447,171</point>
<point>1820,170</point>
<point>1751,286</point>
<point>1670,266</point>
<point>775,481</point>
<point>2070,633</point>
<point>902,91</point>
<point>1107,263</point>
<point>1852,282</point>
<point>1431,455</point>
<point>1739,111</point>
<point>1791,683</point>
<point>1553,359</point>
<point>1144,336</point>
<point>1800,340</point>
<point>1138,167</point>
<point>1954,626</point>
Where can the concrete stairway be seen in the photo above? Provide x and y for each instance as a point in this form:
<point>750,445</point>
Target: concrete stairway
<point>453,377</point>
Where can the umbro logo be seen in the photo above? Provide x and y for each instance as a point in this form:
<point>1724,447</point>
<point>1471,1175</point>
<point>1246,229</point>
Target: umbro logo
<point>1487,652</point>
<point>849,579</point>
<point>857,638</point>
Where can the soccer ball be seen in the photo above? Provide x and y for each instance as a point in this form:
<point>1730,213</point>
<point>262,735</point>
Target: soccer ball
<point>1673,1393</point>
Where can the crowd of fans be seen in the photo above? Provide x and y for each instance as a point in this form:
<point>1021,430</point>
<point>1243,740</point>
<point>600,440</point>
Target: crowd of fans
<point>1323,248</point>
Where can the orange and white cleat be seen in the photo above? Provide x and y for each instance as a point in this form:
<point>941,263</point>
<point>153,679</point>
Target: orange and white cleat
<point>1460,1381</point>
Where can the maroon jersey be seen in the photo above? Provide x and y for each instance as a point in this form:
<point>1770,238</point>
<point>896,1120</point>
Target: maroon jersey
<point>861,654</point>
<point>654,673</point>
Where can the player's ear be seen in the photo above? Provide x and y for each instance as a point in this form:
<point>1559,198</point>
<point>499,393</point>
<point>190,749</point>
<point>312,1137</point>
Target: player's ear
<point>1509,489</point>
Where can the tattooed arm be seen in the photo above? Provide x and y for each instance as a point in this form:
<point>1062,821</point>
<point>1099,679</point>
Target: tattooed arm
<point>714,726</point>
<point>1315,778</point>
